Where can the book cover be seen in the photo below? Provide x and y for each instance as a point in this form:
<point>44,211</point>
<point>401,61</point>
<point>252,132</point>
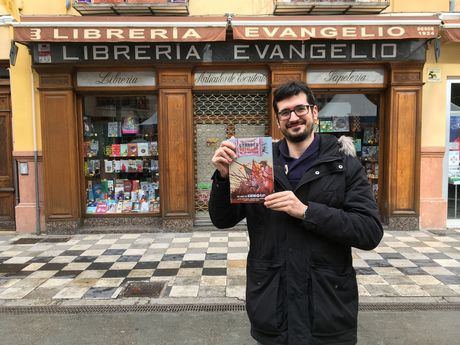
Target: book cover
<point>108,166</point>
<point>325,126</point>
<point>123,150</point>
<point>119,208</point>
<point>142,149</point>
<point>127,206</point>
<point>357,143</point>
<point>136,207</point>
<point>368,135</point>
<point>93,148</point>
<point>123,165</point>
<point>135,184</point>
<point>139,165</point>
<point>144,206</point>
<point>132,149</point>
<point>90,191</point>
<point>112,207</point>
<point>132,167</point>
<point>130,125</point>
<point>108,151</point>
<point>101,207</point>
<point>340,124</point>
<point>113,130</point>
<point>153,148</point>
<point>251,174</point>
<point>117,166</point>
<point>154,165</point>
<point>127,186</point>
<point>115,150</point>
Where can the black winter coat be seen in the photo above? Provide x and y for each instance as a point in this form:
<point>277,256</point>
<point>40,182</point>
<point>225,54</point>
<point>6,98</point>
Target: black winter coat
<point>301,285</point>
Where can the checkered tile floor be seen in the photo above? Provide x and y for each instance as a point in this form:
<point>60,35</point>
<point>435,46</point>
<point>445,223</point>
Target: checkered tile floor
<point>207,264</point>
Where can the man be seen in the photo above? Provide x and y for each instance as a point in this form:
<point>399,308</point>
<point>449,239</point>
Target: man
<point>301,285</point>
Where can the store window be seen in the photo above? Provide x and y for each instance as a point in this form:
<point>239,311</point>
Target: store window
<point>120,154</point>
<point>355,115</point>
<point>454,152</point>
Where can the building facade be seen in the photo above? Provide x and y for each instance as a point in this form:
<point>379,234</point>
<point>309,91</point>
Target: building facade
<point>126,101</point>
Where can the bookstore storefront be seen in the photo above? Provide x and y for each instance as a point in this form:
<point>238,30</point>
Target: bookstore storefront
<point>137,122</point>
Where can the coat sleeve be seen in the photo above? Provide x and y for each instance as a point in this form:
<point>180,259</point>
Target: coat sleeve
<point>223,213</point>
<point>357,224</point>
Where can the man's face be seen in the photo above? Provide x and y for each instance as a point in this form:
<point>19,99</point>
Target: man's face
<point>295,128</point>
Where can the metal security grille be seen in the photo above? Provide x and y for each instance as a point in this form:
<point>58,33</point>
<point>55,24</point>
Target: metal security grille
<point>219,115</point>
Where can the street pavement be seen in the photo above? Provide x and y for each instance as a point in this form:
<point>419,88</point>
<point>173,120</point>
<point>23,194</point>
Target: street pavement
<point>212,328</point>
<point>50,270</point>
<point>416,271</point>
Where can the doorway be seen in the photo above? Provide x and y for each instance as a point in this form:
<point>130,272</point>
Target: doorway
<point>7,189</point>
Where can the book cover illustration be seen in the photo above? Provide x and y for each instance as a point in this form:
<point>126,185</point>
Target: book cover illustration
<point>115,150</point>
<point>113,130</point>
<point>142,149</point>
<point>251,174</point>
<point>108,166</point>
<point>132,149</point>
<point>130,125</point>
<point>123,150</point>
<point>325,126</point>
<point>340,124</point>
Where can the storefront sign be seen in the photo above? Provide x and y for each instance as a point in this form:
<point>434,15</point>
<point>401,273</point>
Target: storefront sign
<point>295,51</point>
<point>231,78</point>
<point>345,77</point>
<point>115,79</point>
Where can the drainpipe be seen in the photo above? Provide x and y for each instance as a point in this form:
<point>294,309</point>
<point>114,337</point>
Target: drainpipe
<point>34,129</point>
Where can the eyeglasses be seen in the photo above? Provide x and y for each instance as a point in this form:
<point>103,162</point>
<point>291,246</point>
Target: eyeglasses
<point>300,110</point>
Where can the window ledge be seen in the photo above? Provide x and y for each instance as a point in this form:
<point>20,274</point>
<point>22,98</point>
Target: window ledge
<point>329,7</point>
<point>138,9</point>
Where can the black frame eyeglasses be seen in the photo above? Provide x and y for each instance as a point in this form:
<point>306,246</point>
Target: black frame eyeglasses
<point>300,110</point>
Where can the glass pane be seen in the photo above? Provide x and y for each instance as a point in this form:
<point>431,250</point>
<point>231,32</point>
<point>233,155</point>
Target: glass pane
<point>357,116</point>
<point>454,149</point>
<point>120,150</point>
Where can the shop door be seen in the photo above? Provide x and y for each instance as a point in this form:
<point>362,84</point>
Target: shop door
<point>218,116</point>
<point>6,160</point>
<point>453,154</point>
<point>357,115</point>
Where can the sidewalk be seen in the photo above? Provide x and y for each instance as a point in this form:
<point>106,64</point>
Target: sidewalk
<point>206,266</point>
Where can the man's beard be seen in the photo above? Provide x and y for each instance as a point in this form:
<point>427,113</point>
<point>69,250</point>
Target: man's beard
<point>299,137</point>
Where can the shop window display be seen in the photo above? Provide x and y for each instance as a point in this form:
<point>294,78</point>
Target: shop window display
<point>355,115</point>
<point>120,154</point>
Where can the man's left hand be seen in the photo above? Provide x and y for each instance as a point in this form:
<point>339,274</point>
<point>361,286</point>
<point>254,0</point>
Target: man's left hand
<point>286,202</point>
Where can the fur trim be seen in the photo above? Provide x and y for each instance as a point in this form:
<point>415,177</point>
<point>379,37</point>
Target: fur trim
<point>346,146</point>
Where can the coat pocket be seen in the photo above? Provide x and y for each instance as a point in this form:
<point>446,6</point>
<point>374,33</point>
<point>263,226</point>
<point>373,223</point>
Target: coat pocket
<point>334,301</point>
<point>264,300</point>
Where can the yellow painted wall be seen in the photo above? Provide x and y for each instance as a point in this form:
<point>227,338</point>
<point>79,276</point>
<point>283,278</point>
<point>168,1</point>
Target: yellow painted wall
<point>21,96</point>
<point>418,6</point>
<point>220,7</point>
<point>434,112</point>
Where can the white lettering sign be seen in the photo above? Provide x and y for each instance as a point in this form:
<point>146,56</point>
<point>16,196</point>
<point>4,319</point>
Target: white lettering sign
<point>230,78</point>
<point>116,79</point>
<point>347,77</point>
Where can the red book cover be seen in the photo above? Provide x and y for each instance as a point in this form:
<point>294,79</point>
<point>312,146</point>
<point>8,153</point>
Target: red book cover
<point>251,174</point>
<point>127,187</point>
<point>115,150</point>
<point>136,184</point>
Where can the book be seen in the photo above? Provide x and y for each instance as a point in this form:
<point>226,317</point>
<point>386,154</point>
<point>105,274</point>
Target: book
<point>368,135</point>
<point>139,165</point>
<point>340,124</point>
<point>357,143</point>
<point>130,125</point>
<point>136,207</point>
<point>144,206</point>
<point>135,185</point>
<point>116,150</point>
<point>142,149</point>
<point>108,151</point>
<point>108,166</point>
<point>132,166</point>
<point>117,166</point>
<point>123,150</point>
<point>325,126</point>
<point>251,174</point>
<point>113,130</point>
<point>112,207</point>
<point>132,149</point>
<point>153,148</point>
<point>127,206</point>
<point>93,148</point>
<point>127,186</point>
<point>119,208</point>
<point>101,207</point>
<point>154,165</point>
<point>90,191</point>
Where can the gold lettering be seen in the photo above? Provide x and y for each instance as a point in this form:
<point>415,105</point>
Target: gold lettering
<point>162,33</point>
<point>288,32</point>
<point>92,34</point>
<point>35,34</point>
<point>192,34</point>
<point>270,33</point>
<point>329,32</point>
<point>175,35</point>
<point>118,33</point>
<point>349,31</point>
<point>136,34</point>
<point>75,34</point>
<point>251,32</point>
<point>57,36</point>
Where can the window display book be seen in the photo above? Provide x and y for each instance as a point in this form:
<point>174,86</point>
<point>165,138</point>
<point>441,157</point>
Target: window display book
<point>251,174</point>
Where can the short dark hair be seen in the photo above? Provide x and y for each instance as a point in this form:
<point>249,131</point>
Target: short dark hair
<point>290,89</point>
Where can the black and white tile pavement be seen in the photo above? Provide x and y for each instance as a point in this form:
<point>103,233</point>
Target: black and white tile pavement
<point>207,264</point>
